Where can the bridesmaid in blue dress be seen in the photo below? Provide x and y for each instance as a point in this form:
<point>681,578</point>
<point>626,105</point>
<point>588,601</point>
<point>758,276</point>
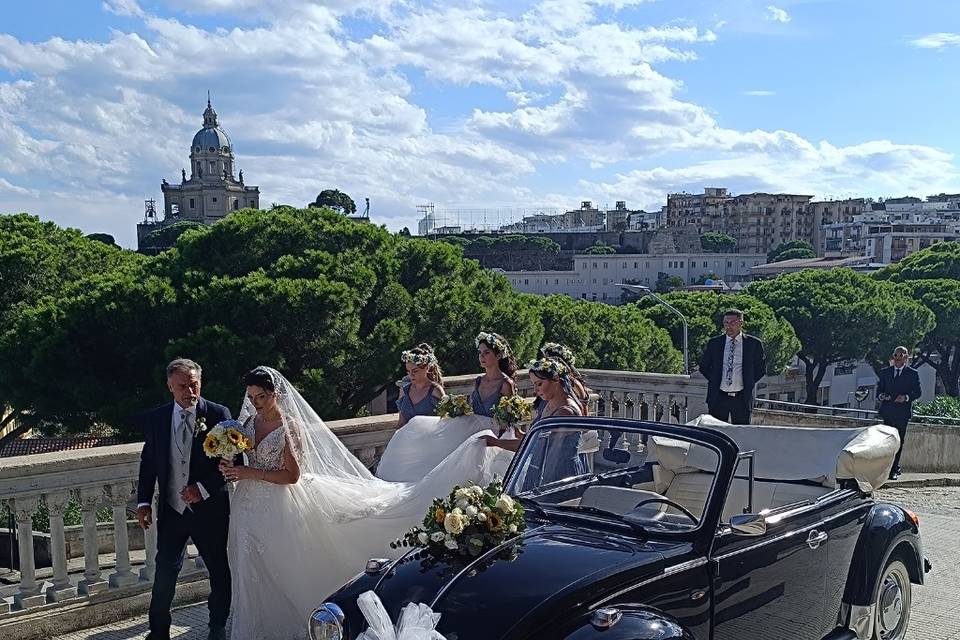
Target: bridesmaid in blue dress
<point>422,394</point>
<point>499,365</point>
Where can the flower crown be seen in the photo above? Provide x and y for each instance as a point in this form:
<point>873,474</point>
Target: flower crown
<point>556,349</point>
<point>422,359</point>
<point>554,368</point>
<point>493,341</point>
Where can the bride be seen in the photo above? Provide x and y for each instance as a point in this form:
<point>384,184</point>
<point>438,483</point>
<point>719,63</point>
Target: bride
<point>306,514</point>
<point>424,440</point>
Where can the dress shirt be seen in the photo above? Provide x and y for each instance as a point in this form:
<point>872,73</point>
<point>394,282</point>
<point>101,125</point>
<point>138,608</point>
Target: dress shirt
<point>732,381</point>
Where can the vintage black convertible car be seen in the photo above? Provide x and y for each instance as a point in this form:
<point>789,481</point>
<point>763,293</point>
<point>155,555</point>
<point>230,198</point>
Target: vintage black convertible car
<point>643,530</point>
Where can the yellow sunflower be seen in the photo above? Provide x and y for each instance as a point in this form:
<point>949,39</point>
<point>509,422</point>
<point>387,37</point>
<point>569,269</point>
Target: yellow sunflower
<point>234,436</point>
<point>439,515</point>
<point>210,445</point>
<point>494,523</point>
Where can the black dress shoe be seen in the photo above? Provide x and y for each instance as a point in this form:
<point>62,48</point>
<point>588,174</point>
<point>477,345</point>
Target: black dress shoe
<point>217,633</point>
<point>156,636</point>
<point>894,475</point>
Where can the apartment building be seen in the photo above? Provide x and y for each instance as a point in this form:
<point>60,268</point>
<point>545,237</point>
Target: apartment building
<point>596,277</point>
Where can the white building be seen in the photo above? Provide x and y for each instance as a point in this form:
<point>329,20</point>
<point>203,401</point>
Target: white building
<point>596,277</point>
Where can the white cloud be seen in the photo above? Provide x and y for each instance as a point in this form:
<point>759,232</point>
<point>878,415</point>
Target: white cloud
<point>89,128</point>
<point>123,7</point>
<point>759,93</point>
<point>776,14</point>
<point>937,41</point>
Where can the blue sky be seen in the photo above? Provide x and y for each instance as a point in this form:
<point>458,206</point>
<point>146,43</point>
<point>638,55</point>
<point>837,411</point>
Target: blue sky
<point>473,104</point>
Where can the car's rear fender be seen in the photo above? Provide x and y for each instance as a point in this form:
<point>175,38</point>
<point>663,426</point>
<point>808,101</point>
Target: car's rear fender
<point>629,622</point>
<point>887,531</point>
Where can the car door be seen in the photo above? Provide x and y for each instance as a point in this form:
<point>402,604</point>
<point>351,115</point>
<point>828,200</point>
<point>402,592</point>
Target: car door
<point>771,585</point>
<point>843,514</point>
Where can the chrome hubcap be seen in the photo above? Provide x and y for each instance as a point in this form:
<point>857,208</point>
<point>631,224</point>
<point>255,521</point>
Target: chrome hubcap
<point>890,606</point>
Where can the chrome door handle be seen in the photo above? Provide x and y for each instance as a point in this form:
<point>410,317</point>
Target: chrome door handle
<point>816,538</point>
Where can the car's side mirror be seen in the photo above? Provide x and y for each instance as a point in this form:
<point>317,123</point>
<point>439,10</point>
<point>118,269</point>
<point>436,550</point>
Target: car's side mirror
<point>749,524</point>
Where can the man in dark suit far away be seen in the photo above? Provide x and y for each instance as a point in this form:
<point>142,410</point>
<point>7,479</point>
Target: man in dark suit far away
<point>897,389</point>
<point>193,501</point>
<point>732,364</point>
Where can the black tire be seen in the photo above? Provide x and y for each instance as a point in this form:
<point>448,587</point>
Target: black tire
<point>893,599</point>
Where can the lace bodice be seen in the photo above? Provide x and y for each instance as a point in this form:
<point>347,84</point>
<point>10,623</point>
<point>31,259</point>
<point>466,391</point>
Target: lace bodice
<point>268,453</point>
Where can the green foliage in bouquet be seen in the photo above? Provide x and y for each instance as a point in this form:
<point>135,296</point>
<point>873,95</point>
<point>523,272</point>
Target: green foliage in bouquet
<point>512,409</point>
<point>468,522</point>
<point>454,406</point>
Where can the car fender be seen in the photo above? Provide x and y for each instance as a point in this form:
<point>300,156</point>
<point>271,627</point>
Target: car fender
<point>887,529</point>
<point>630,622</point>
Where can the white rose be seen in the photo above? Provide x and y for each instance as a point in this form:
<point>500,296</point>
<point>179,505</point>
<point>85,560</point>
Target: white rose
<point>462,503</point>
<point>451,544</point>
<point>513,528</point>
<point>475,490</point>
<point>453,523</point>
<point>461,494</point>
<point>482,517</point>
<point>505,503</point>
<point>471,511</point>
<point>437,536</point>
<point>423,538</point>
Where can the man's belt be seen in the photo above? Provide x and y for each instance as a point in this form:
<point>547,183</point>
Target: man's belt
<point>732,394</point>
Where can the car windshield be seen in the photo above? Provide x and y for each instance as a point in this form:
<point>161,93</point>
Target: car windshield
<point>648,481</point>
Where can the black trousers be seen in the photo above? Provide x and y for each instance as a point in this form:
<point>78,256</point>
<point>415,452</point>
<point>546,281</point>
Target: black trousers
<point>901,427</point>
<point>732,409</point>
<point>208,530</point>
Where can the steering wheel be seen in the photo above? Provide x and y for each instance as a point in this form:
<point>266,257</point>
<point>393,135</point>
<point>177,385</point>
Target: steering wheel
<point>667,501</point>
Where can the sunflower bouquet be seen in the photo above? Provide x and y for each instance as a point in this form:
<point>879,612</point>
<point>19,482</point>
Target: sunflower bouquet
<point>510,410</point>
<point>454,406</point>
<point>468,522</point>
<point>226,441</point>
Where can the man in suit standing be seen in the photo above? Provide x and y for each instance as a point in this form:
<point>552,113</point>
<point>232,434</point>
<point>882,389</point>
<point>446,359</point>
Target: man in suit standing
<point>732,364</point>
<point>193,502</point>
<point>897,389</point>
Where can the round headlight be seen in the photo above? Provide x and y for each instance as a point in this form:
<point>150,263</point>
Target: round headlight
<point>326,622</point>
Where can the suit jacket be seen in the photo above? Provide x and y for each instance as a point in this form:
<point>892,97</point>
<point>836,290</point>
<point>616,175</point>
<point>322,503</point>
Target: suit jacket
<point>711,365</point>
<point>908,384</point>
<point>155,458</point>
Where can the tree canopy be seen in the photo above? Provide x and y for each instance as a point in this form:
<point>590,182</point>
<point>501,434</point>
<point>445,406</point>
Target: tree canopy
<point>837,314</point>
<point>941,260</point>
<point>336,200</point>
<point>328,301</point>
<point>713,242</point>
<point>599,249</point>
<point>791,250</point>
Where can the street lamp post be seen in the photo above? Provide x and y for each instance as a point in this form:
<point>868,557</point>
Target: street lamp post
<point>644,290</point>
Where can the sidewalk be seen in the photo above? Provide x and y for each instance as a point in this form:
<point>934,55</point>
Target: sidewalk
<point>910,480</point>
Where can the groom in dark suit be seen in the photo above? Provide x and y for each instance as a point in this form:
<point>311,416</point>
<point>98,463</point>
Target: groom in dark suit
<point>732,363</point>
<point>193,502</point>
<point>897,389</point>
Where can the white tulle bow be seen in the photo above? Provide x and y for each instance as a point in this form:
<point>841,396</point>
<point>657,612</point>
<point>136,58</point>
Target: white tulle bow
<point>417,621</point>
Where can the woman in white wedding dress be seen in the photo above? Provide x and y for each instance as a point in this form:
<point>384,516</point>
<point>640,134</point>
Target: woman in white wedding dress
<point>424,440</point>
<point>306,514</point>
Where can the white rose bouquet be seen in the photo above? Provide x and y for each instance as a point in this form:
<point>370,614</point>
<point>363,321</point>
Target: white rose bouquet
<point>468,521</point>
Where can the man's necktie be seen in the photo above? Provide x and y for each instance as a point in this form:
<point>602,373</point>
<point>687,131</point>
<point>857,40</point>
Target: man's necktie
<point>184,432</point>
<point>730,359</point>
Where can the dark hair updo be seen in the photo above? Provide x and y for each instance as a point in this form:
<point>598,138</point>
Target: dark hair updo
<point>259,377</point>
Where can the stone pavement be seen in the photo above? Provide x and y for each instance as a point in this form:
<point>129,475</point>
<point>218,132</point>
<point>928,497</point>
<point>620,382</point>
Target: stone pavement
<point>936,605</point>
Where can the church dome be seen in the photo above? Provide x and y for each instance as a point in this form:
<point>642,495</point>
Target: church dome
<point>211,140</point>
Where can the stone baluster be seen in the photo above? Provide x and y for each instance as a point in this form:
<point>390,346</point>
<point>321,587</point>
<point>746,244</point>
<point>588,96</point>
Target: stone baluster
<point>118,494</point>
<point>90,499</point>
<point>29,594</point>
<point>61,588</point>
<point>150,548</point>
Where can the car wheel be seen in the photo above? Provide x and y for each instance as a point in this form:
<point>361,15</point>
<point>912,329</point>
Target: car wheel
<point>893,602</point>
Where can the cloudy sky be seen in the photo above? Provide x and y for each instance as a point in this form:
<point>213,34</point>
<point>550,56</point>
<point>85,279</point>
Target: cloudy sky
<point>471,104</point>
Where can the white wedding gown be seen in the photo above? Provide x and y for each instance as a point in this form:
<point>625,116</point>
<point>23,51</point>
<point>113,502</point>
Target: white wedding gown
<point>291,546</point>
